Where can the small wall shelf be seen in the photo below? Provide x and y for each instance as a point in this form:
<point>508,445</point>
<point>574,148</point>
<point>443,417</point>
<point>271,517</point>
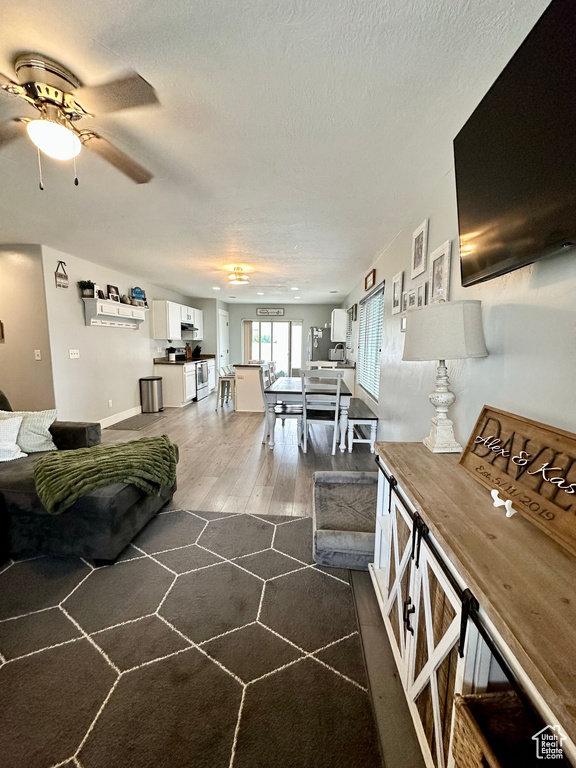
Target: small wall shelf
<point>113,314</point>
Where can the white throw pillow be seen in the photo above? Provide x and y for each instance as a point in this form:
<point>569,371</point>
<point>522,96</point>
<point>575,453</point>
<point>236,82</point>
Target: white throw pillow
<point>9,449</point>
<point>34,435</point>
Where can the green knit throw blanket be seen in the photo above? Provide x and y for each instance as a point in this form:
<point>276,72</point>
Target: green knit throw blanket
<point>62,477</point>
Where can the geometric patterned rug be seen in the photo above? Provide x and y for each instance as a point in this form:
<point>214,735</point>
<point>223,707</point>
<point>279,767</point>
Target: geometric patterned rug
<point>213,642</point>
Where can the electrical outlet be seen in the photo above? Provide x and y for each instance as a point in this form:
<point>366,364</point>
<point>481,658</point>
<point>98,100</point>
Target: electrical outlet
<point>37,354</point>
<point>109,403</point>
<point>74,354</point>
<point>159,350</point>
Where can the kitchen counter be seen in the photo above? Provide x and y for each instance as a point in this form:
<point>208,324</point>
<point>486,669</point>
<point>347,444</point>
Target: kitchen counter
<point>330,363</point>
<point>165,361</point>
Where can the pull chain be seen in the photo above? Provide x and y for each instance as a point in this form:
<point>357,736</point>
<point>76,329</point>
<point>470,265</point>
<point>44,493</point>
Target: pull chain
<point>76,182</point>
<point>41,185</point>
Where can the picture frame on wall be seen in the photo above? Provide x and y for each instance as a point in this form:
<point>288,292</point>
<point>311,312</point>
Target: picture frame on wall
<point>440,273</point>
<point>411,299</point>
<point>397,285</point>
<point>421,295</point>
<point>404,301</point>
<point>419,250</point>
<point>370,280</point>
<point>403,324</point>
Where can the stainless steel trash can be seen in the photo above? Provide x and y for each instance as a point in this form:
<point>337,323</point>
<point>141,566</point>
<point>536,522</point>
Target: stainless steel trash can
<point>151,394</point>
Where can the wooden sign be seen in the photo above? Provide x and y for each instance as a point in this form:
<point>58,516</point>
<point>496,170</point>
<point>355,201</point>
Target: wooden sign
<point>531,464</point>
<point>269,311</point>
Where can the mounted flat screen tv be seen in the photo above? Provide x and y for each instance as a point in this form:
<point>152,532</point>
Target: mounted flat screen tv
<point>515,158</point>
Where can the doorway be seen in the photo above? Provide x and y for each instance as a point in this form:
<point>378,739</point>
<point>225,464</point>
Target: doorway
<point>274,340</point>
<point>223,338</point>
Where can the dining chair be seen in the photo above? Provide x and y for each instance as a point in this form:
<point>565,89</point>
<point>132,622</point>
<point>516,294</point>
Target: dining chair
<point>226,386</point>
<point>320,401</point>
<point>282,411</point>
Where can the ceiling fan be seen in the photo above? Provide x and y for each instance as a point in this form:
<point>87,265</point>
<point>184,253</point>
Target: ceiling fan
<point>62,102</point>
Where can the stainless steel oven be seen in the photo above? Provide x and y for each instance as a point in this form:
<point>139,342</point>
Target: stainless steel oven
<point>202,379</point>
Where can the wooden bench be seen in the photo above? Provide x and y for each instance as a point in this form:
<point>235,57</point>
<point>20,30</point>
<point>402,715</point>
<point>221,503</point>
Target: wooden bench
<point>360,416</point>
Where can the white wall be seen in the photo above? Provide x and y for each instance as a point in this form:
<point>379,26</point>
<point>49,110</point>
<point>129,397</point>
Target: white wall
<point>111,359</point>
<point>210,309</point>
<point>530,326</point>
<point>308,314</point>
<point>27,382</point>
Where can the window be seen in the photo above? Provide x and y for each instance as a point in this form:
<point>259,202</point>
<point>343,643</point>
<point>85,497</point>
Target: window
<point>370,341</point>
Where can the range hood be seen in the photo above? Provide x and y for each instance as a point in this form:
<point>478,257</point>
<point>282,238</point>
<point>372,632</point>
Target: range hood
<point>188,326</point>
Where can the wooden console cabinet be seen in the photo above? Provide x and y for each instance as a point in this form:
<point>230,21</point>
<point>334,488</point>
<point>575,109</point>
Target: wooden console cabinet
<point>442,550</point>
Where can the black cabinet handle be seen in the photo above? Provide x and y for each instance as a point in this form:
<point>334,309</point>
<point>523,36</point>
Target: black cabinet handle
<point>407,611</point>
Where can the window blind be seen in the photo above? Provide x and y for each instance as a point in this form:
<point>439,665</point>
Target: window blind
<point>370,341</point>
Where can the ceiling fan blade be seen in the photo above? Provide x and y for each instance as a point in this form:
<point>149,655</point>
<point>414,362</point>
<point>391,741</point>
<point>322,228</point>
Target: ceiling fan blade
<point>115,157</point>
<point>4,81</point>
<point>10,130</point>
<point>124,93</point>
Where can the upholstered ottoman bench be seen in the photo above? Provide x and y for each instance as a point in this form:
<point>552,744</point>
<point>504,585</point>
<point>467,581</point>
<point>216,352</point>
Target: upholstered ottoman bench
<point>344,506</point>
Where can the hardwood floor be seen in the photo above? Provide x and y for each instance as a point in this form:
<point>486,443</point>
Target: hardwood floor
<point>224,467</point>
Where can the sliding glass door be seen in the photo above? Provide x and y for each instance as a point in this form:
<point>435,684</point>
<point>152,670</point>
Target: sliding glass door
<point>279,341</point>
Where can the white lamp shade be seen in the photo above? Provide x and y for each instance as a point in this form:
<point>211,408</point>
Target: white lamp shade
<point>445,331</point>
<point>54,140</point>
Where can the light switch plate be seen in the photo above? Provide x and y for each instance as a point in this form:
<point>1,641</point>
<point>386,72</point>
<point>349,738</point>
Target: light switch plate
<point>37,354</point>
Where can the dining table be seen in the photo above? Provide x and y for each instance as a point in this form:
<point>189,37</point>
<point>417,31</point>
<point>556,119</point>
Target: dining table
<point>288,389</point>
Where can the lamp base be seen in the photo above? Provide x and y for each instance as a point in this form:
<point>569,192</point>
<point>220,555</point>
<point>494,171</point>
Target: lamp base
<point>441,438</point>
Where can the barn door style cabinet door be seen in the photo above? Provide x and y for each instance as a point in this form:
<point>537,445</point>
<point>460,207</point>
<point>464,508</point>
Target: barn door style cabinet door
<point>422,616</point>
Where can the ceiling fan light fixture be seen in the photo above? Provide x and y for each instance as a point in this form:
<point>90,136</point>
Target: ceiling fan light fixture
<point>54,139</point>
<point>238,277</point>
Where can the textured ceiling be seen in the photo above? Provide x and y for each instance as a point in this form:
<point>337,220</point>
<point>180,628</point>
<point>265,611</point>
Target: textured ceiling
<point>294,136</point>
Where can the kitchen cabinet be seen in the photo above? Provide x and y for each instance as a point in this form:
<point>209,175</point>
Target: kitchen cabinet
<point>178,383</point>
<point>211,375</point>
<point>338,323</point>
<point>187,314</point>
<point>198,320</point>
<point>167,320</point>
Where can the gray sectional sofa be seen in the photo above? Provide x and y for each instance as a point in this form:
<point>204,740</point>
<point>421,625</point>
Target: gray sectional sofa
<point>98,526</point>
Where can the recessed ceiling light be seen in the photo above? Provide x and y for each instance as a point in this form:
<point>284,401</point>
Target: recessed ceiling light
<point>231,297</point>
<point>259,293</point>
<point>333,291</point>
<point>296,297</point>
<point>293,289</point>
<point>215,288</point>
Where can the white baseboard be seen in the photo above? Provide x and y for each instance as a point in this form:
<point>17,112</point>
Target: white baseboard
<point>109,420</point>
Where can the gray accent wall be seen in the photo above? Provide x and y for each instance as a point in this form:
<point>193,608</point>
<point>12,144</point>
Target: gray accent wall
<point>529,322</point>
<point>309,314</point>
<point>27,382</point>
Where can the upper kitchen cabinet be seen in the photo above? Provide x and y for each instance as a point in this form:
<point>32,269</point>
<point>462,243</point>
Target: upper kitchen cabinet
<point>187,314</point>
<point>198,320</point>
<point>168,319</point>
<point>338,325</point>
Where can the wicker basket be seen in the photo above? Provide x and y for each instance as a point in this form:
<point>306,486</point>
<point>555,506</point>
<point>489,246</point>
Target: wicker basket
<point>493,729</point>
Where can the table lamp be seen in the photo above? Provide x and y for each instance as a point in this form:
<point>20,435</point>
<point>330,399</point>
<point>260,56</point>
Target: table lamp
<point>449,330</point>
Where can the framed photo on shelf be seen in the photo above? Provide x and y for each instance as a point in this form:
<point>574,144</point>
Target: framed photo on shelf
<point>412,299</point>
<point>440,273</point>
<point>419,250</point>
<point>113,293</point>
<point>404,301</point>
<point>370,280</point>
<point>397,285</point>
